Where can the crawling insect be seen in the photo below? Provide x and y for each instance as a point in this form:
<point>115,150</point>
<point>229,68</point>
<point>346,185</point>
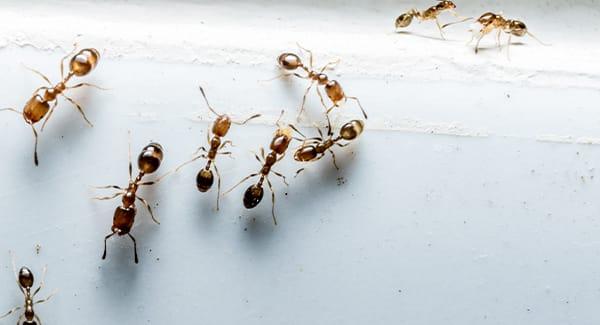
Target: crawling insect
<point>279,144</point>
<point>25,282</point>
<point>490,21</point>
<point>430,14</point>
<point>42,105</point>
<point>313,149</point>
<point>149,161</point>
<point>333,89</point>
<point>220,127</point>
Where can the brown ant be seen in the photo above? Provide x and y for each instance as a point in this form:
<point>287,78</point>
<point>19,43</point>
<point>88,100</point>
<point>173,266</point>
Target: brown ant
<point>149,161</point>
<point>429,14</point>
<point>313,149</point>
<point>333,89</point>
<point>25,282</point>
<point>40,106</point>
<point>279,144</point>
<point>220,127</point>
<point>490,21</point>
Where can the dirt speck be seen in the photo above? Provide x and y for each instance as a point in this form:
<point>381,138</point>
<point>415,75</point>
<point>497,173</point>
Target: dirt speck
<point>341,181</point>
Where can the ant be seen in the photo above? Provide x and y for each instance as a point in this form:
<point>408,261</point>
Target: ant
<point>313,149</point>
<point>279,144</point>
<point>149,161</point>
<point>490,21</point>
<point>429,14</point>
<point>333,89</point>
<point>40,106</point>
<point>220,127</point>
<point>25,282</point>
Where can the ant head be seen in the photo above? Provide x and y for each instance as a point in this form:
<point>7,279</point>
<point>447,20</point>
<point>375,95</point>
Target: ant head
<point>150,158</point>
<point>352,130</point>
<point>403,20</point>
<point>281,140</point>
<point>25,277</point>
<point>253,196</point>
<point>204,180</point>
<point>84,62</point>
<point>289,61</point>
<point>446,4</point>
<point>30,322</point>
<point>517,28</point>
<point>221,125</point>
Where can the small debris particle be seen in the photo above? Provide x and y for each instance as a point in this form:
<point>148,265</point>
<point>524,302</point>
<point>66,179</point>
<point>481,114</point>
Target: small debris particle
<point>341,181</point>
<point>38,247</point>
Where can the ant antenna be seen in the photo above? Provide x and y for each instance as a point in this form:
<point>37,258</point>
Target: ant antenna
<point>456,22</point>
<point>279,119</point>
<point>537,39</point>
<point>207,103</point>
<point>246,120</point>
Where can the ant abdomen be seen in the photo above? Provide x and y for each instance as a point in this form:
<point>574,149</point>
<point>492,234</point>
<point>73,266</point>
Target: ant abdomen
<point>150,158</point>
<point>123,219</point>
<point>289,61</point>
<point>84,62</point>
<point>35,110</point>
<point>25,277</point>
<point>307,153</point>
<point>352,130</point>
<point>403,20</point>
<point>253,196</point>
<point>518,28</point>
<point>204,180</point>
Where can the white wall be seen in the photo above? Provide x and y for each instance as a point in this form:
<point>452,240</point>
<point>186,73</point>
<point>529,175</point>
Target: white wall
<point>470,199</point>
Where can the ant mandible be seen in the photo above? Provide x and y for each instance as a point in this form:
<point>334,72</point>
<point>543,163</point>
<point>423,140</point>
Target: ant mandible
<point>220,127</point>
<point>333,89</point>
<point>279,144</point>
<point>25,281</point>
<point>490,21</point>
<point>149,161</point>
<point>40,106</point>
<point>313,149</point>
<point>429,14</point>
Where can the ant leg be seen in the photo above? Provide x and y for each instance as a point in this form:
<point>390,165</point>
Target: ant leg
<point>310,56</point>
<point>262,153</point>
<point>44,270</point>
<point>226,153</point>
<point>298,172</point>
<point>258,158</point>
<point>437,22</point>
<point>321,98</point>
<point>218,184</point>
<point>332,64</point>
<point>104,198</point>
<point>35,154</point>
<point>334,162</point>
<point>498,43</point>
<point>86,84</point>
<point>478,41</point>
<point>283,177</point>
<point>160,178</point>
<point>105,239</point>
<point>281,157</point>
<point>116,187</point>
<point>134,248</point>
<point>41,301</point>
<point>14,267</point>
<point>297,131</point>
<point>20,319</point>
<point>38,73</point>
<point>49,115</point>
<point>228,142</point>
<point>62,61</point>
<point>304,99</point>
<point>272,201</point>
<point>238,184</point>
<point>508,47</point>
<point>284,75</point>
<point>37,319</point>
<point>79,109</point>
<point>359,105</point>
<point>10,312</point>
<point>149,209</point>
